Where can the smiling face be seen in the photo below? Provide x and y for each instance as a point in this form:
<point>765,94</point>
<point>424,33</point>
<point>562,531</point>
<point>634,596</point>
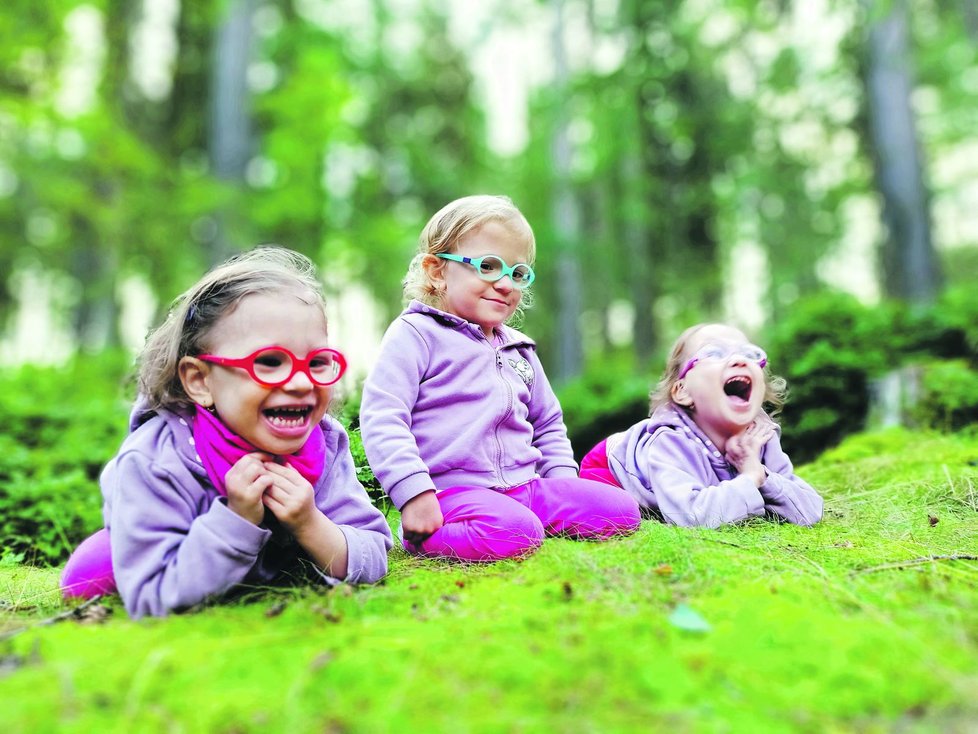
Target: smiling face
<point>468,296</point>
<point>277,420</point>
<point>725,394</point>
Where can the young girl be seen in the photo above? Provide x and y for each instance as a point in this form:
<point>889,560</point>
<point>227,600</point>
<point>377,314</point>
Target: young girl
<point>459,422</point>
<point>233,472</point>
<point>709,454</point>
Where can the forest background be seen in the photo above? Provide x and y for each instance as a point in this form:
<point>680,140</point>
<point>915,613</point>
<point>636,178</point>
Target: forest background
<point>805,169</point>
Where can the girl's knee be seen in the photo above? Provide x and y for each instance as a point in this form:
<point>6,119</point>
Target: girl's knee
<point>486,539</point>
<point>610,511</point>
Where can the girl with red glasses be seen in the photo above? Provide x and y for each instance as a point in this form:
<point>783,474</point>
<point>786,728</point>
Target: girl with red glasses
<point>459,422</point>
<point>233,473</point>
<point>709,454</point>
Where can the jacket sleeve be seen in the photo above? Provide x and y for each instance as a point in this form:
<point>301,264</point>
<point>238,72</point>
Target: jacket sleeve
<point>786,495</point>
<point>389,394</point>
<point>341,497</point>
<point>549,431</point>
<point>664,475</point>
<point>167,556</point>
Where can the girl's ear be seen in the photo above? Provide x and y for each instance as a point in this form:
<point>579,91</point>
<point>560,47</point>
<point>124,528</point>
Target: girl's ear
<point>434,268</point>
<point>680,395</point>
<point>193,376</point>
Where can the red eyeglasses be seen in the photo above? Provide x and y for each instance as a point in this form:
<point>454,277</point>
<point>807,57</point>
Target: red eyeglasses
<point>274,366</point>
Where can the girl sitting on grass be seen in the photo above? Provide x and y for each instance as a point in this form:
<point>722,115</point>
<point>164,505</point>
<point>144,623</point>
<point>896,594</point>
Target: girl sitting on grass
<point>233,473</point>
<point>709,454</point>
<point>459,422</point>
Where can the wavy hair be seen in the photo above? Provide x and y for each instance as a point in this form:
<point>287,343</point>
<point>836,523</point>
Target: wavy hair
<point>448,226</point>
<point>194,314</point>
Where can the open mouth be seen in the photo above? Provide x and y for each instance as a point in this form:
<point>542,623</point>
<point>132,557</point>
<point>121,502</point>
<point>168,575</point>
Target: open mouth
<point>738,387</point>
<point>288,417</point>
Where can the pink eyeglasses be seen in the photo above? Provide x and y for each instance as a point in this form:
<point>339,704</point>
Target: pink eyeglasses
<point>717,352</point>
<point>275,366</point>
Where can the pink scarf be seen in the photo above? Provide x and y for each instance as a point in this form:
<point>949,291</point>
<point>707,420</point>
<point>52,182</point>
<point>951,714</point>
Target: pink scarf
<point>219,449</point>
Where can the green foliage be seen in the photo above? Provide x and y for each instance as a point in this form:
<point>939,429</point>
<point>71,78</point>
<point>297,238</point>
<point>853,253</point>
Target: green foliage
<point>830,347</point>
<point>365,475</point>
<point>60,427</point>
<point>948,395</point>
<point>606,399</point>
<point>861,623</point>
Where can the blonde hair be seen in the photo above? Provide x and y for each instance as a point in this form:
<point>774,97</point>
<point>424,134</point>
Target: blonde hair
<point>194,314</point>
<point>448,226</point>
<point>775,387</point>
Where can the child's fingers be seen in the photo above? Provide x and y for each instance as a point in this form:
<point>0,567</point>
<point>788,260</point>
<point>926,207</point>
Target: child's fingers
<point>282,470</point>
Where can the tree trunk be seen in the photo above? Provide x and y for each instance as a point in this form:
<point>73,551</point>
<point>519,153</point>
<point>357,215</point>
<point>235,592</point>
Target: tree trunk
<point>566,225</point>
<point>229,134</point>
<point>910,266</point>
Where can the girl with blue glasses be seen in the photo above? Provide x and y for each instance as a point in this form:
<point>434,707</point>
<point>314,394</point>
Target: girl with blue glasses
<point>459,422</point>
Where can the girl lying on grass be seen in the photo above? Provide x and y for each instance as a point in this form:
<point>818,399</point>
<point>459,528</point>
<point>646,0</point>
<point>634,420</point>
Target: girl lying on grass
<point>233,473</point>
<point>709,454</point>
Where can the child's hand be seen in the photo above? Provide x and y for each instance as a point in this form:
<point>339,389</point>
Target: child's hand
<point>246,482</point>
<point>744,450</point>
<point>420,517</point>
<point>290,497</point>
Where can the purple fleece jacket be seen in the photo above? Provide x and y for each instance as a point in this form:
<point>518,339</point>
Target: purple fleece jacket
<point>669,465</point>
<point>444,407</point>
<point>176,543</point>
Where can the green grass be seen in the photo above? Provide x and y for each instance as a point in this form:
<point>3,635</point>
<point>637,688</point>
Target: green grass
<point>810,630</point>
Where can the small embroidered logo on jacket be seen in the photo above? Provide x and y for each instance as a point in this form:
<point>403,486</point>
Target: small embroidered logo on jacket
<point>524,370</point>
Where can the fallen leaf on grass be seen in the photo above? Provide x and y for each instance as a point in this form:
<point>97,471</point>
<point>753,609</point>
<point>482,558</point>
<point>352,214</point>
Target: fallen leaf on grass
<point>321,660</point>
<point>663,569</point>
<point>686,618</point>
<point>275,610</point>
<point>94,614</point>
<point>328,614</point>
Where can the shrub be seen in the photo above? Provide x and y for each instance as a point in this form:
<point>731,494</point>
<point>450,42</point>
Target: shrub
<point>830,347</point>
<point>600,403</point>
<point>948,395</point>
<point>60,427</point>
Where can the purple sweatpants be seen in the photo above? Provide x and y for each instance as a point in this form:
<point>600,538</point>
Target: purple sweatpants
<point>490,524</point>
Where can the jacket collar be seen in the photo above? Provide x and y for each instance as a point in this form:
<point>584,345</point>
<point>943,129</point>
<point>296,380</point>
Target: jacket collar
<point>510,337</point>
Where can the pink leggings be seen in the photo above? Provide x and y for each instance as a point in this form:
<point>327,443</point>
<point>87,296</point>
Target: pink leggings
<point>88,572</point>
<point>594,465</point>
<point>489,525</point>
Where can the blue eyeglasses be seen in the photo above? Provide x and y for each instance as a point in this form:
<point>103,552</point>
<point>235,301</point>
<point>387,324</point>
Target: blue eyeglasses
<point>492,268</point>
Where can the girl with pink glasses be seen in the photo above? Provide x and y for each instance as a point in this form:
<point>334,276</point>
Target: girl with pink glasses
<point>233,473</point>
<point>709,454</point>
<point>459,422</point>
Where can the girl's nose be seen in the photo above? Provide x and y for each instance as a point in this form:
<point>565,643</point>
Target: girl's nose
<point>504,284</point>
<point>299,382</point>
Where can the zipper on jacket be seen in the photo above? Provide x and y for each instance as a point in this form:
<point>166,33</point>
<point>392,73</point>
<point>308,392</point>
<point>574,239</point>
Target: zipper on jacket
<point>503,416</point>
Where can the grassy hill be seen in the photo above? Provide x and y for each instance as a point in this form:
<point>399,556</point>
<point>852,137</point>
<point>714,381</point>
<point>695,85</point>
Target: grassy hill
<point>867,622</point>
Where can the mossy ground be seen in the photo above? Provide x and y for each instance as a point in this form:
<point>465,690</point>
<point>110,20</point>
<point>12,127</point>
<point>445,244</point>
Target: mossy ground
<point>760,627</point>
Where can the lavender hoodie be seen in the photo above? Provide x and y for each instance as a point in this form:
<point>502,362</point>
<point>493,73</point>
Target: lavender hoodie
<point>176,543</point>
<point>669,465</point>
<point>444,407</point>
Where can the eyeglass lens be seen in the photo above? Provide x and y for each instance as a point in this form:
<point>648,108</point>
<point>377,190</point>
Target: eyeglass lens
<point>493,268</point>
<point>275,365</point>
